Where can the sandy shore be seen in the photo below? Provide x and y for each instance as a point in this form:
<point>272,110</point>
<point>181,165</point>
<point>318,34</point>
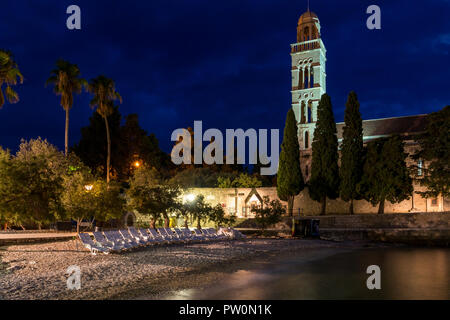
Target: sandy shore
<point>38,271</point>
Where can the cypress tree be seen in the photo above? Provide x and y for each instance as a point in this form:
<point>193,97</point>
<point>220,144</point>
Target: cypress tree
<point>324,180</point>
<point>290,179</point>
<point>351,151</point>
<point>386,176</point>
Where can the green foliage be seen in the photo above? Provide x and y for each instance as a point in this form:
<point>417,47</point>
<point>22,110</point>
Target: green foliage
<point>270,212</point>
<point>86,198</point>
<point>290,179</point>
<point>351,151</point>
<point>195,177</point>
<point>9,75</point>
<point>385,175</point>
<point>148,197</point>
<point>30,183</point>
<point>324,180</point>
<point>243,180</point>
<point>435,150</point>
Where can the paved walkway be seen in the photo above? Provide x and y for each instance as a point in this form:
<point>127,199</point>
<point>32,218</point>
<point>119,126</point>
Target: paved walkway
<point>20,237</point>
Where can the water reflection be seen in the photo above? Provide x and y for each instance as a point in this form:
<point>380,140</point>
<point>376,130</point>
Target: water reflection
<point>406,273</point>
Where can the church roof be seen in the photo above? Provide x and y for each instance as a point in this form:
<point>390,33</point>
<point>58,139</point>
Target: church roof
<point>384,127</point>
<point>308,16</point>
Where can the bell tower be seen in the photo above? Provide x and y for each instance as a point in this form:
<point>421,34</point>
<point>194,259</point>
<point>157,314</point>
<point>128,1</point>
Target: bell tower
<point>308,56</point>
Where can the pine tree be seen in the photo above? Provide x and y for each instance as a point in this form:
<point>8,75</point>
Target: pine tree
<point>324,180</point>
<point>351,151</point>
<point>386,176</point>
<point>290,179</point>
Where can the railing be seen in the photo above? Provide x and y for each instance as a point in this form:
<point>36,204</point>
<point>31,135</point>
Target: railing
<point>306,45</point>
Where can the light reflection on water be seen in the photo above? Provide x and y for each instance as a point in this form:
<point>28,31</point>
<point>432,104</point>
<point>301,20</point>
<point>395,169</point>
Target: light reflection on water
<point>406,273</point>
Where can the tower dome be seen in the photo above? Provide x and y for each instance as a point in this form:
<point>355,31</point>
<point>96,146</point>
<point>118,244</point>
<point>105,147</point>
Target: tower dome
<point>308,27</point>
<point>307,17</point>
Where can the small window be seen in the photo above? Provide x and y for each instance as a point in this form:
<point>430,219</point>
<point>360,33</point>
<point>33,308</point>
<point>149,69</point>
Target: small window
<point>419,167</point>
<point>306,171</point>
<point>434,202</point>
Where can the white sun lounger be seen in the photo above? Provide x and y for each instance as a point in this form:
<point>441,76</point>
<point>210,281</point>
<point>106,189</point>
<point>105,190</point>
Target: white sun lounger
<point>156,235</point>
<point>139,237</point>
<point>150,237</point>
<point>92,245</point>
<point>117,239</point>
<point>167,236</point>
<point>131,240</point>
<point>214,233</point>
<point>100,238</point>
<point>182,235</point>
<point>199,234</point>
<point>189,234</point>
<point>174,235</point>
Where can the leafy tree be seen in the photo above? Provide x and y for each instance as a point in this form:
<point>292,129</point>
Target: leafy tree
<point>217,215</point>
<point>30,183</point>
<point>269,213</point>
<point>136,146</point>
<point>200,210</point>
<point>290,179</point>
<point>351,151</point>
<point>195,177</point>
<point>66,80</point>
<point>9,75</point>
<point>385,174</point>
<point>243,180</point>
<point>148,197</point>
<point>105,94</point>
<point>324,181</point>
<point>435,150</point>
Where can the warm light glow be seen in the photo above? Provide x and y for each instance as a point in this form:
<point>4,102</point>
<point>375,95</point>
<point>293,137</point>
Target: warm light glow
<point>88,187</point>
<point>137,164</point>
<point>189,197</point>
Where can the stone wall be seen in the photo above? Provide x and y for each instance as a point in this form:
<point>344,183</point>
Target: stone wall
<point>239,201</point>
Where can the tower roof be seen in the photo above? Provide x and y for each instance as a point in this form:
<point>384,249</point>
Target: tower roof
<point>307,17</point>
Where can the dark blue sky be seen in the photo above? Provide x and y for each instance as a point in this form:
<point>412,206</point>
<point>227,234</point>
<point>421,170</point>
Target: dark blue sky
<point>224,62</point>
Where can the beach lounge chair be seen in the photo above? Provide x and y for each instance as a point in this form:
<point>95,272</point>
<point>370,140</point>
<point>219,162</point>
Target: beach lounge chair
<point>156,235</point>
<point>131,240</point>
<point>199,234</point>
<point>208,235</point>
<point>192,236</point>
<point>150,237</point>
<point>92,245</point>
<point>174,235</point>
<point>182,235</point>
<point>214,233</point>
<point>100,238</point>
<point>167,236</point>
<point>117,239</point>
<point>146,240</point>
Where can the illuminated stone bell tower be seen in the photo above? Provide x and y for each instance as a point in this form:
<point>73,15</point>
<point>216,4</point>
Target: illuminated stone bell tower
<point>308,82</point>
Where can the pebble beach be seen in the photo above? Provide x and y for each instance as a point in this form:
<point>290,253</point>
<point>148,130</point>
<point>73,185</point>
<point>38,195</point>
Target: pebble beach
<point>38,271</point>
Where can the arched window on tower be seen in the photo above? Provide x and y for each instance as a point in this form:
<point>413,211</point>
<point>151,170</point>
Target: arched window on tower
<point>300,78</point>
<point>306,78</point>
<point>310,116</point>
<point>306,34</point>
<point>302,112</point>
<point>306,140</point>
<point>311,84</point>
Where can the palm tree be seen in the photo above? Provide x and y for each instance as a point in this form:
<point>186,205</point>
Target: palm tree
<point>9,73</point>
<point>67,81</point>
<point>105,93</point>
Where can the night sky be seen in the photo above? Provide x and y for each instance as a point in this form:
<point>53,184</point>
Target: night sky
<point>224,62</point>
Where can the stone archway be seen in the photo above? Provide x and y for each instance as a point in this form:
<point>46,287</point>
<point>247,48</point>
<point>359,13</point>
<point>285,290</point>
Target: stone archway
<point>129,219</point>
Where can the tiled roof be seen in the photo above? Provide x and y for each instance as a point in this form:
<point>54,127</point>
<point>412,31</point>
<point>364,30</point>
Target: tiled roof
<point>388,126</point>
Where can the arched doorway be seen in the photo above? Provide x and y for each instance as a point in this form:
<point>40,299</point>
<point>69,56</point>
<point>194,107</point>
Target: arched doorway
<point>129,219</point>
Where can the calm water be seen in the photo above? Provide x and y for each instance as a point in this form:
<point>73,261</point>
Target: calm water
<point>406,273</point>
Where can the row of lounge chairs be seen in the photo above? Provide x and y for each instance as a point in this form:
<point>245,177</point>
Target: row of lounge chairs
<point>131,238</point>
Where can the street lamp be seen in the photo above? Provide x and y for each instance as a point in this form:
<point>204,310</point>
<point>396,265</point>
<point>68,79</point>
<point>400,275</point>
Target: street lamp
<point>137,164</point>
<point>88,187</point>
